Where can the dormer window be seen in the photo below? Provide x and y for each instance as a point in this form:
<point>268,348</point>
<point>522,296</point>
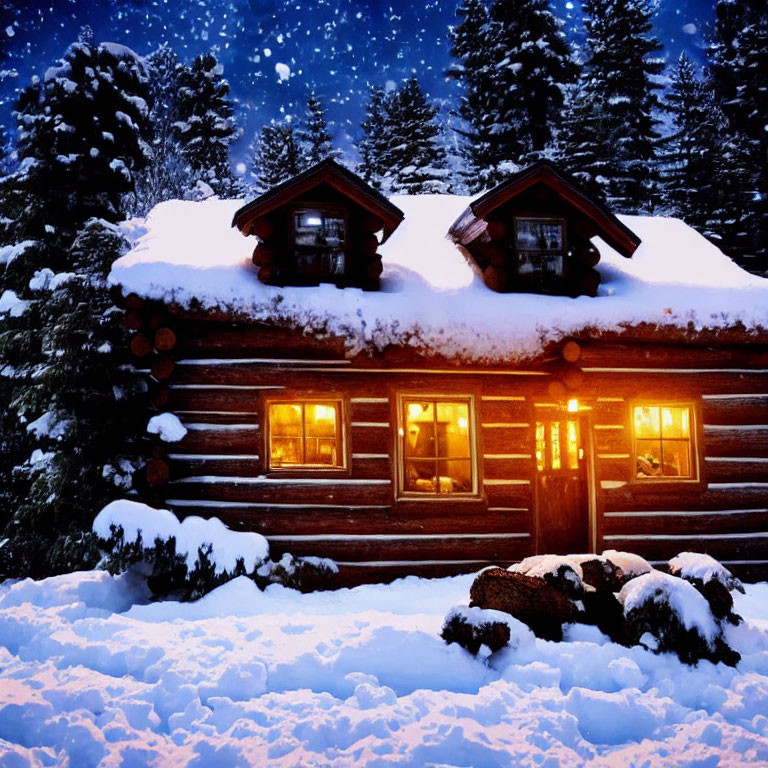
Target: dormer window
<point>319,241</point>
<point>540,248</point>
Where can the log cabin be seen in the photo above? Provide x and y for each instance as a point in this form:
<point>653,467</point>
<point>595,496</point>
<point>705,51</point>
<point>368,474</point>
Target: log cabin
<point>431,384</point>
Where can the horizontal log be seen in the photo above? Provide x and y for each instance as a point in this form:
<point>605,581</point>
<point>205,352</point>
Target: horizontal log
<point>158,472</point>
<point>495,278</point>
<point>735,410</point>
<point>331,491</point>
<point>263,255</point>
<point>370,410</point>
<point>159,397</point>
<point>719,470</point>
<point>262,228</point>
<point>517,496</point>
<point>267,274</point>
<point>612,441</point>
<point>219,418</point>
<point>190,464</point>
<point>215,400</point>
<point>374,269</point>
<point>674,355</point>
<point>497,230</point>
<point>370,223</point>
<point>440,547</point>
<point>686,522</point>
<point>736,441</point>
<point>513,411</point>
<point>515,469</point>
<point>368,468</point>
<point>750,546</point>
<point>610,468</point>
<point>670,383</point>
<point>507,440</point>
<point>217,441</point>
<point>351,575</point>
<point>674,497</point>
<point>162,367</point>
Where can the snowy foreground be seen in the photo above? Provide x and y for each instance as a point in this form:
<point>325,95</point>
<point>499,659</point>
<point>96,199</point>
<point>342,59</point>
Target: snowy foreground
<point>89,675</point>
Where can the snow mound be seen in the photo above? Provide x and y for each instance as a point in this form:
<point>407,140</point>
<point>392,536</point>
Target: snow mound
<point>191,534</point>
<point>168,427</point>
<point>684,600</point>
<point>429,293</point>
<point>632,565</point>
<point>695,565</point>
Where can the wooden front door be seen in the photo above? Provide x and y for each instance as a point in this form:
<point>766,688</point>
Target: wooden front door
<point>562,494</point>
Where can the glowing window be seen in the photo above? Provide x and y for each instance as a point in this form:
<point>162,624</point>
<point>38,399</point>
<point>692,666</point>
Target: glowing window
<point>305,434</point>
<point>555,440</point>
<point>540,247</point>
<point>319,242</point>
<point>436,446</point>
<point>663,441</point>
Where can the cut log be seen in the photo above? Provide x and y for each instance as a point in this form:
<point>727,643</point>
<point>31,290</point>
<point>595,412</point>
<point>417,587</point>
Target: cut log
<point>573,378</point>
<point>165,339</point>
<point>141,346</point>
<point>371,223</point>
<point>366,246</point>
<point>156,320</point>
<point>556,389</point>
<point>267,274</point>
<point>263,255</point>
<point>132,320</point>
<point>497,230</point>
<point>134,301</point>
<point>571,351</point>
<point>262,228</point>
<point>589,283</point>
<point>162,368</point>
<point>495,278</point>
<point>528,599</point>
<point>374,269</point>
<point>158,472</point>
<point>587,255</point>
<point>159,398</point>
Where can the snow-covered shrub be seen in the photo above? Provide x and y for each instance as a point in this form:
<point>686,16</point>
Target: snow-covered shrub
<point>666,613</point>
<point>305,574</point>
<point>188,558</point>
<point>475,627</point>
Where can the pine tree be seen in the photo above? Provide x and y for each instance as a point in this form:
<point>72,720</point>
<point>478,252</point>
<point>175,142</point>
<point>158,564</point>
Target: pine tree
<point>616,104</point>
<point>471,44</point>
<point>81,142</point>
<point>168,174</point>
<point>514,62</point>
<point>373,144</point>
<point>205,125</point>
<point>414,159</point>
<point>277,155</point>
<point>313,133</point>
<point>739,56</point>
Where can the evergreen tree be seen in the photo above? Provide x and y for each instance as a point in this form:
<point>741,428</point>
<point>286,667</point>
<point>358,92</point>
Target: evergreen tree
<point>614,108</point>
<point>471,44</point>
<point>81,142</point>
<point>373,142</point>
<point>414,160</point>
<point>739,56</point>
<point>277,155</point>
<point>205,125</point>
<point>313,133</point>
<point>514,62</point>
<point>168,174</point>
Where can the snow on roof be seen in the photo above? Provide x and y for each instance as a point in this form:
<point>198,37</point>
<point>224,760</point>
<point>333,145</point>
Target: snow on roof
<point>187,252</point>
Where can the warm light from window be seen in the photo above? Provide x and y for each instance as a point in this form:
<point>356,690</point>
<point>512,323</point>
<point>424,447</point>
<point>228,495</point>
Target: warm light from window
<point>573,405</point>
<point>305,434</point>
<point>463,422</point>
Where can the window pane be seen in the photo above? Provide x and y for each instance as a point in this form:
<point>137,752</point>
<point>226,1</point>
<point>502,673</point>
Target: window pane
<point>421,476</point>
<point>319,241</point>
<point>320,420</point>
<point>455,476</point>
<point>677,461</point>
<point>555,461</point>
<point>541,446</point>
<point>675,422</point>
<point>648,455</point>
<point>453,430</point>
<point>647,422</point>
<point>533,235</point>
<point>285,419</point>
<point>285,451</point>
<point>420,429</point>
<point>572,438</point>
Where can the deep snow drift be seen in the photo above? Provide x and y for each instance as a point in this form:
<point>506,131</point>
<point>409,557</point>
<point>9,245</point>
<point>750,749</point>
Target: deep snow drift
<point>91,676</point>
<point>187,251</point>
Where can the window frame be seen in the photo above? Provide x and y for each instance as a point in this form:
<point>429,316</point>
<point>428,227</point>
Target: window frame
<point>539,276</point>
<point>401,458</point>
<point>696,479</point>
<point>325,208</point>
<point>341,435</point>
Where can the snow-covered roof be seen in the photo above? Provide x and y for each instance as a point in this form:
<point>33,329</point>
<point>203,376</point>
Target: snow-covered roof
<point>188,253</point>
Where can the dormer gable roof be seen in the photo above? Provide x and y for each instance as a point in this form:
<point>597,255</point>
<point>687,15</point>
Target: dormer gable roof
<point>325,172</point>
<point>472,222</point>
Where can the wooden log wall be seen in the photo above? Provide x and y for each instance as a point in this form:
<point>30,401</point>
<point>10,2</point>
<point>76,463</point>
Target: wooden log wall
<point>222,375</point>
<point>727,514</point>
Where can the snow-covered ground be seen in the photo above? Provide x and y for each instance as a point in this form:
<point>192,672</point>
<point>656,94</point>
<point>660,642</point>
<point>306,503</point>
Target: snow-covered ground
<point>89,675</point>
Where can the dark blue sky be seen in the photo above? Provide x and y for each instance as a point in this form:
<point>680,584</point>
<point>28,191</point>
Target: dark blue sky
<point>273,51</point>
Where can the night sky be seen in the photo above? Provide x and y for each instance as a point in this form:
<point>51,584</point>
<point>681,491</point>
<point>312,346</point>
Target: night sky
<point>274,51</point>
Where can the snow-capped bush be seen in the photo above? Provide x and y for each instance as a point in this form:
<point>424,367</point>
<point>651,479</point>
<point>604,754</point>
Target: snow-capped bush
<point>167,427</point>
<point>473,628</point>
